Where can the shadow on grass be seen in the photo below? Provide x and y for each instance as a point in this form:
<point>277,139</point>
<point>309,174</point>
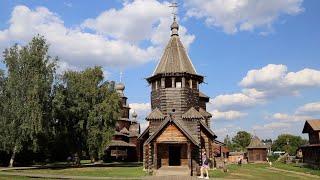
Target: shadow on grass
<point>61,166</point>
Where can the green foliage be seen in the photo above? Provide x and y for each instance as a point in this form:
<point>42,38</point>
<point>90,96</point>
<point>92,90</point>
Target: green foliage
<point>26,95</point>
<point>85,109</point>
<point>288,143</point>
<point>273,158</point>
<point>231,146</point>
<point>42,113</point>
<point>241,140</point>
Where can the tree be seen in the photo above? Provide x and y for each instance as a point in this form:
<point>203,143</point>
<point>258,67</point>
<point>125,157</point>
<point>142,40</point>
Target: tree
<point>27,95</point>
<point>101,122</point>
<point>229,143</point>
<point>241,140</point>
<point>85,110</point>
<point>288,143</point>
<point>2,112</point>
<point>267,141</point>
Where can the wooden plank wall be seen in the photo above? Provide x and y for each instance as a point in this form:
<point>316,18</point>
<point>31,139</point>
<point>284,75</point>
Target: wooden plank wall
<point>171,133</point>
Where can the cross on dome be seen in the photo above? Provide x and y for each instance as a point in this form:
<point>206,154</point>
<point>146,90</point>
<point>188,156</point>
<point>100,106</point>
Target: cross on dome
<point>174,25</point>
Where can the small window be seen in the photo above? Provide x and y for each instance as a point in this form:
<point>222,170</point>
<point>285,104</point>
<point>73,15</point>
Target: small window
<point>168,83</point>
<point>178,84</point>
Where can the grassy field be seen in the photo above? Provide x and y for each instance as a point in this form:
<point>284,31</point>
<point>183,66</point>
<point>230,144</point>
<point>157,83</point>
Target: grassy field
<point>248,171</point>
<point>261,171</point>
<point>4,177</point>
<point>296,168</point>
<point>89,171</point>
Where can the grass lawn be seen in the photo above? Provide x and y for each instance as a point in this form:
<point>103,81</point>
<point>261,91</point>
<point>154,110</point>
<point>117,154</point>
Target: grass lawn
<point>256,171</point>
<point>89,171</point>
<point>296,168</point>
<point>5,177</point>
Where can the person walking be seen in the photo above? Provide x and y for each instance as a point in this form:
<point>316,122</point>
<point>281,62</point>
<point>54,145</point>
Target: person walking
<point>205,166</point>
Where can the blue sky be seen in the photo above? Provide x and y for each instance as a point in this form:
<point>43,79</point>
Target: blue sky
<point>260,59</point>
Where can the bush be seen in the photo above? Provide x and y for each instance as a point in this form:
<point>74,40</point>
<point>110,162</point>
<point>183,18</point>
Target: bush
<point>273,158</point>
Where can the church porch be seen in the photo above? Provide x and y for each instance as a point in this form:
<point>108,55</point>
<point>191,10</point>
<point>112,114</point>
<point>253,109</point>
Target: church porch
<point>172,154</point>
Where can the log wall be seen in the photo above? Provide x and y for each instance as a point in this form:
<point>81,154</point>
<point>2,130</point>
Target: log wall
<point>171,134</point>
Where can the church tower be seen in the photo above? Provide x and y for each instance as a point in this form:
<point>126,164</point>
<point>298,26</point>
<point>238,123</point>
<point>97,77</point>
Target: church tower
<point>179,125</point>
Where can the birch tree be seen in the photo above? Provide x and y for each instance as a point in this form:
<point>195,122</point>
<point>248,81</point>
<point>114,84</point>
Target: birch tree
<point>27,91</point>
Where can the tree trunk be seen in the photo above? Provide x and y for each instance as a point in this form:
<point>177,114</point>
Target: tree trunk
<point>13,156</point>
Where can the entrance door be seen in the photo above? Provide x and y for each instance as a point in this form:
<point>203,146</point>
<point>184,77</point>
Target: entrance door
<point>174,155</point>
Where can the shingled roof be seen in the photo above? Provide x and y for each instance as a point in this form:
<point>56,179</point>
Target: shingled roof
<point>256,144</point>
<point>124,131</point>
<point>175,58</point>
<point>313,124</point>
<point>120,143</point>
<point>156,114</point>
<point>204,113</point>
<point>192,113</point>
<point>184,130</point>
<point>208,129</point>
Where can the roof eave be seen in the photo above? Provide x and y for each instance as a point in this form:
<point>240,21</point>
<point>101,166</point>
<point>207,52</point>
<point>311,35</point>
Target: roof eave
<point>177,74</point>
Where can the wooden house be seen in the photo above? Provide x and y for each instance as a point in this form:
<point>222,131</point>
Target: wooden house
<point>311,152</point>
<point>179,125</point>
<point>256,151</point>
<point>235,156</point>
<point>123,146</point>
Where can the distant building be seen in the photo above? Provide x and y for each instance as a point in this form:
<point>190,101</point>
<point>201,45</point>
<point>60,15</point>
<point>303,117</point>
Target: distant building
<point>311,152</point>
<point>235,156</point>
<point>123,146</point>
<point>219,149</point>
<point>257,151</point>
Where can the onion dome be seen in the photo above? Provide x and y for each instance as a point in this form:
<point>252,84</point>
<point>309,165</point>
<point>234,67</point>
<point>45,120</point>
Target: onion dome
<point>174,28</point>
<point>134,115</point>
<point>120,88</point>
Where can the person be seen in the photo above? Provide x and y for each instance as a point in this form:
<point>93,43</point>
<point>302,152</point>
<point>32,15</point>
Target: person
<point>239,161</point>
<point>270,163</point>
<point>205,166</point>
<point>225,169</point>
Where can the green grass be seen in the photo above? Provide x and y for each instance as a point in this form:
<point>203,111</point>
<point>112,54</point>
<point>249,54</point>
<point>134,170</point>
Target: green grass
<point>255,171</point>
<point>296,168</point>
<point>5,177</point>
<point>90,171</point>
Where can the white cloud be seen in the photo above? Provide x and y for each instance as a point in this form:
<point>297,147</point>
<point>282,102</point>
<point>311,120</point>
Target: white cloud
<point>272,126</point>
<point>270,75</point>
<point>262,85</point>
<point>142,110</point>
<point>304,78</point>
<point>310,108</point>
<point>288,118</point>
<point>275,80</point>
<point>233,101</point>
<point>140,107</point>
<point>79,48</point>
<point>144,125</point>
<point>137,21</point>
<point>242,15</point>
<point>227,115</point>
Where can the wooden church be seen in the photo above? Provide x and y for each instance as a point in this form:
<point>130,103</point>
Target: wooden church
<point>179,125</point>
<point>123,146</point>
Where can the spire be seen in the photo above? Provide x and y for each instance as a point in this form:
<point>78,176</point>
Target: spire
<point>174,25</point>
<point>121,75</point>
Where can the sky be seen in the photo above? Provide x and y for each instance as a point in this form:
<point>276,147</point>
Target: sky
<point>260,59</point>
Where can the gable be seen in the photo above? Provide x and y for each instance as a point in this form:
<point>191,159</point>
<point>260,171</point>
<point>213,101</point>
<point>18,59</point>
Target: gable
<point>311,126</point>
<point>171,133</point>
